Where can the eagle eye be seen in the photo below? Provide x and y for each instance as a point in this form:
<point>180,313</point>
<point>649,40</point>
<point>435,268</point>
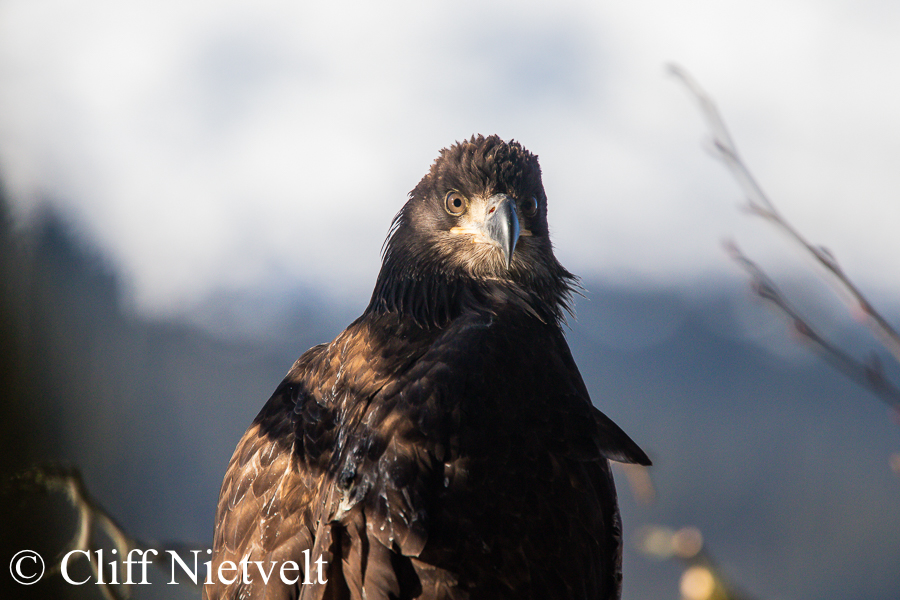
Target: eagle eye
<point>455,203</point>
<point>528,206</point>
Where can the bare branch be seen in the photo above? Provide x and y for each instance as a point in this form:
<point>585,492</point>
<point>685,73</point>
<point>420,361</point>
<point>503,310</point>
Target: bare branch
<point>868,374</point>
<point>759,204</point>
<point>91,517</point>
<point>723,146</point>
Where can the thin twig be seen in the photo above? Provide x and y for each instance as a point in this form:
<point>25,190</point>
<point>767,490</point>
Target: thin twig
<point>868,374</point>
<point>758,203</point>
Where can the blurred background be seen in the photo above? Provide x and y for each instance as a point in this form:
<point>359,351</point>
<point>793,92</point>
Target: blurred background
<point>194,193</point>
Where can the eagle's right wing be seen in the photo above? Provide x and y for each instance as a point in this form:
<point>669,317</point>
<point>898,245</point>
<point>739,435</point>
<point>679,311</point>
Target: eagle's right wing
<point>262,511</point>
<point>273,507</point>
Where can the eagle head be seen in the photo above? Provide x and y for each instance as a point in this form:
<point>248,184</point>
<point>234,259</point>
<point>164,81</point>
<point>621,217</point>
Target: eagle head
<point>473,230</point>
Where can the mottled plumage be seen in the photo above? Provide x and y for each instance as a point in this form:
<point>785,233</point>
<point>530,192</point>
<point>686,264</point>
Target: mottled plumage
<point>444,445</point>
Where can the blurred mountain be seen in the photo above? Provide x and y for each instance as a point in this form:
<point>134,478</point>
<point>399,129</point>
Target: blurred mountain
<point>781,462</point>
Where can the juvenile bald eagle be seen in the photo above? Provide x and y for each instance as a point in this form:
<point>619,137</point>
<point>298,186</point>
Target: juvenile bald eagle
<point>444,445</point>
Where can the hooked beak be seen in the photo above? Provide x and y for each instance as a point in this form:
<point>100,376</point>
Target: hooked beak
<point>501,224</point>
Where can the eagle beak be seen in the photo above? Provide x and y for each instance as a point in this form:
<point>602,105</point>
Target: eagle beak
<point>501,224</point>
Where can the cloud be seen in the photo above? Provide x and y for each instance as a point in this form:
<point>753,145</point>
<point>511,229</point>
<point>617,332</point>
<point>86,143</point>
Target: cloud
<point>220,146</point>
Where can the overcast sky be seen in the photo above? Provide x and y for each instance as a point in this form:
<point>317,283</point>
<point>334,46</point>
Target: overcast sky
<point>210,147</point>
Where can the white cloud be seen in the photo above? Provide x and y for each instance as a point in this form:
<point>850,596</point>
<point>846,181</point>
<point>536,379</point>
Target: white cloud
<point>210,146</point>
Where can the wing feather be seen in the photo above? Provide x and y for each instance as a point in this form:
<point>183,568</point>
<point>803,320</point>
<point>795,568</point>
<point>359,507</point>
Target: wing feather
<point>262,504</point>
<point>439,474</point>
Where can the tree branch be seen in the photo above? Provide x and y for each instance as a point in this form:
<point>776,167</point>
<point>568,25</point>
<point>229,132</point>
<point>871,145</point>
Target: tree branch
<point>759,204</point>
<point>91,517</point>
<point>868,373</point>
